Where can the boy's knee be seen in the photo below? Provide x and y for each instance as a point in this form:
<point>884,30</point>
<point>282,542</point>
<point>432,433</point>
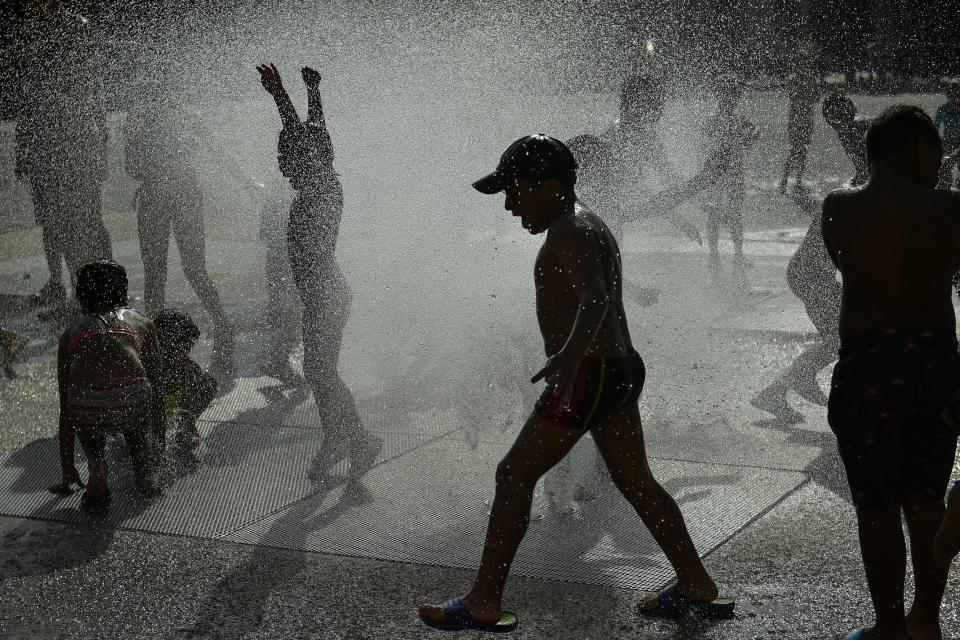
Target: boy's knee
<point>510,476</point>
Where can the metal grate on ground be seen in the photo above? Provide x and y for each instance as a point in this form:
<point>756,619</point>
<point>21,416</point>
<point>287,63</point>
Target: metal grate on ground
<point>425,502</point>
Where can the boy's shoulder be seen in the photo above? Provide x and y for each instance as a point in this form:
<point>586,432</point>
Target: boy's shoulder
<point>571,230</point>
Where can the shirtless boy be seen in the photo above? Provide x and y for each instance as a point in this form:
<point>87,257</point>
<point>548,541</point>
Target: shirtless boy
<point>594,380</point>
<point>107,366</point>
<point>896,241</point>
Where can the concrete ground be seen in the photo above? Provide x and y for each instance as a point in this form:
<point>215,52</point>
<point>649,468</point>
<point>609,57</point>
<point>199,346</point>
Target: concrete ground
<point>794,569</point>
<point>442,300</point>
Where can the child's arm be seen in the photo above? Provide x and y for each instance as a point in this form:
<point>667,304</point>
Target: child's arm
<point>311,78</point>
<point>578,253</point>
<point>70,474</point>
<point>270,79</point>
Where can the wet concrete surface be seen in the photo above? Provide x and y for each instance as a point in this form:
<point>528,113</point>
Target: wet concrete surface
<point>795,569</point>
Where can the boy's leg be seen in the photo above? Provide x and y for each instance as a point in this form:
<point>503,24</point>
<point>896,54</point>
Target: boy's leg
<point>281,314</point>
<point>883,551</point>
<point>538,447</point>
<point>187,222</point>
<point>86,238</point>
<point>924,516</point>
<point>139,446</point>
<point>153,230</point>
<point>620,441</point>
<point>93,441</point>
<point>734,205</point>
<point>191,240</point>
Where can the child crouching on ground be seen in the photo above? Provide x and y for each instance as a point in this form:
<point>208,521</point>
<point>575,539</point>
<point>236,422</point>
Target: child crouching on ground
<point>184,386</point>
<point>107,367</point>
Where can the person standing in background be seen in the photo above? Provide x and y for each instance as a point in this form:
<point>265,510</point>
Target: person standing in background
<point>804,91</point>
<point>61,137</point>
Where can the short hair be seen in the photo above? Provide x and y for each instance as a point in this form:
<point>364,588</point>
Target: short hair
<point>837,107</point>
<point>177,325</point>
<point>100,286</point>
<point>897,127</point>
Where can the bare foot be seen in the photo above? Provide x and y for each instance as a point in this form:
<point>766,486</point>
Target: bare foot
<point>483,613</point>
<point>923,629</point>
<point>705,591</point>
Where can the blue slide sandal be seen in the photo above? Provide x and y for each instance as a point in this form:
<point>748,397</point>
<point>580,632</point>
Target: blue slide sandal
<point>458,618</point>
<point>672,603</point>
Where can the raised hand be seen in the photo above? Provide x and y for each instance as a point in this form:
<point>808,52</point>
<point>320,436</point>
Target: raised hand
<point>311,77</point>
<point>270,78</point>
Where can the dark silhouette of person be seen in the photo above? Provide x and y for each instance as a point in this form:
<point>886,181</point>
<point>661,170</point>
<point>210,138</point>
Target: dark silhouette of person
<point>161,139</point>
<point>614,165</point>
<point>61,137</point>
<point>803,89</point>
<point>729,137</point>
<point>896,242</point>
<point>841,114</point>
<point>305,154</point>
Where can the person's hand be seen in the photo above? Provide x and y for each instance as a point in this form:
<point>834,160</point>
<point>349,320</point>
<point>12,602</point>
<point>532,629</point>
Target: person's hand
<point>270,78</point>
<point>311,77</point>
<point>70,477</point>
<point>561,372</point>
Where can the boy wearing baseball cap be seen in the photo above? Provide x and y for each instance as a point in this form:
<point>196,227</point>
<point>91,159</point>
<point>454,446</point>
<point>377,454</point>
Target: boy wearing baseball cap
<point>594,380</point>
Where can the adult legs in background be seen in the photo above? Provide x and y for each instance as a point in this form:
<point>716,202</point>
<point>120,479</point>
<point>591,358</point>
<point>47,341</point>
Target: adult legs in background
<point>153,230</point>
<point>187,222</point>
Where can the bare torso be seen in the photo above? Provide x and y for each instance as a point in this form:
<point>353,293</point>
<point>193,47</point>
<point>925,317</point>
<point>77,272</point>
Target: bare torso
<point>557,301</point>
<point>897,245</point>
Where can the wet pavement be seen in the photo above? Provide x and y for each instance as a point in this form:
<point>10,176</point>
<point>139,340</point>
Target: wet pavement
<point>244,545</point>
<point>440,341</point>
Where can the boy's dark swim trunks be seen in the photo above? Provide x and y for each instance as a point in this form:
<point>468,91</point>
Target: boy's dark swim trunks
<point>888,392</point>
<point>603,386</point>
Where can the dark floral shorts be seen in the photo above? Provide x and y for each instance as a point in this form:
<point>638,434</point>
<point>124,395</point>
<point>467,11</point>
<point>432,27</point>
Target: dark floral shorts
<point>888,392</point>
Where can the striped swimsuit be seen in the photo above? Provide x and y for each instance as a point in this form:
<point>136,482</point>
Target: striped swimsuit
<point>113,405</point>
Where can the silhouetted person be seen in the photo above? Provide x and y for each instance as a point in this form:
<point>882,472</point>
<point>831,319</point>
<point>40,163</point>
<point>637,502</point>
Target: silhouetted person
<point>803,90</point>
<point>729,137</point>
<point>841,114</point>
<point>305,154</point>
<point>614,165</point>
<point>896,241</point>
<point>594,379</point>
<point>107,368</point>
<point>161,143</point>
<point>947,120</point>
<point>811,276</point>
<point>61,137</point>
<point>186,388</point>
<point>283,301</point>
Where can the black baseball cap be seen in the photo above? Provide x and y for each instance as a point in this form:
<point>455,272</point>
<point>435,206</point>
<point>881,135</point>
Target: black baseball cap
<point>537,158</point>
